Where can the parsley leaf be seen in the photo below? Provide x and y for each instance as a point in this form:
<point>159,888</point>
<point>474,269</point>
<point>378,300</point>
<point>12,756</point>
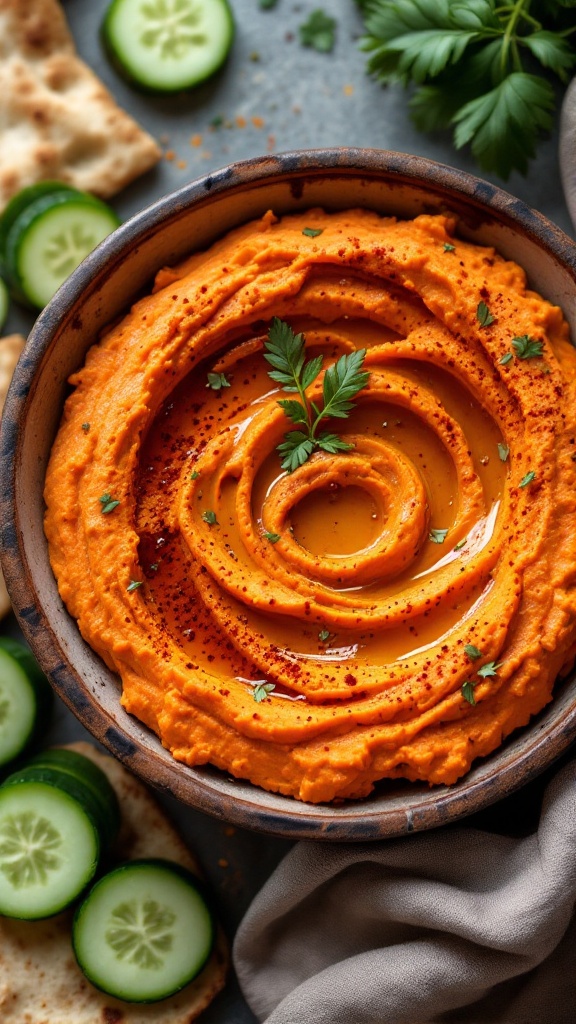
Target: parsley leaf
<point>484,316</point>
<point>272,537</point>
<point>284,350</point>
<point>472,652</point>
<point>210,517</point>
<point>503,451</point>
<point>217,381</point>
<point>437,536</point>
<point>319,31</point>
<point>261,691</point>
<point>489,669</point>
<point>527,347</point>
<point>527,479</point>
<point>133,585</point>
<point>324,635</point>
<point>449,248</point>
<point>312,232</point>
<point>506,358</point>
<point>85,427</point>
<point>476,69</point>
<point>468,691</point>
<point>108,503</point>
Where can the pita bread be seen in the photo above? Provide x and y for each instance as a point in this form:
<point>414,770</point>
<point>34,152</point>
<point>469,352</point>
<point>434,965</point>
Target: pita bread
<point>10,349</point>
<point>57,120</point>
<point>40,982</point>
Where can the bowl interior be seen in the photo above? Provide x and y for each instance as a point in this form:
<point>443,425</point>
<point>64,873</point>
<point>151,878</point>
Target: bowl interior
<point>104,287</point>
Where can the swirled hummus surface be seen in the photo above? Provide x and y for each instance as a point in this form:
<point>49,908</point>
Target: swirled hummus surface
<point>408,602</point>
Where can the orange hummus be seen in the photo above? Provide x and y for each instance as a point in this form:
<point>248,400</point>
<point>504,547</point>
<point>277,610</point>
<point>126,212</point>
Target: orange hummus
<point>409,602</point>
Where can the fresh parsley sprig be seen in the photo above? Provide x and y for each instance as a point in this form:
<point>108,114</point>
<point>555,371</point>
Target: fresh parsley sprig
<point>482,69</point>
<point>285,352</point>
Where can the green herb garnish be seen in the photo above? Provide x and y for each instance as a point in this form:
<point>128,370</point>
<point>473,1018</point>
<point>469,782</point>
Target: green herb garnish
<point>342,381</point>
<point>108,503</point>
<point>449,248</point>
<point>217,381</point>
<point>460,544</point>
<point>481,69</point>
<point>319,31</point>
<point>261,691</point>
<point>437,536</point>
<point>312,232</point>
<point>527,347</point>
<point>267,5</point>
<point>472,652</point>
<point>484,316</point>
<point>506,358</point>
<point>133,585</point>
<point>468,691</point>
<point>194,474</point>
<point>490,669</point>
<point>85,427</point>
<point>503,451</point>
<point>527,479</point>
<point>272,537</point>
<point>324,635</point>
<point>209,517</point>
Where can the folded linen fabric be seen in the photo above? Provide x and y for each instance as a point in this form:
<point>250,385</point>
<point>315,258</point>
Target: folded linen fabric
<point>457,925</point>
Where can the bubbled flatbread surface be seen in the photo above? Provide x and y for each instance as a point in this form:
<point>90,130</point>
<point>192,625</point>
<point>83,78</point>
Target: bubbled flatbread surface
<point>40,982</point>
<point>10,349</point>
<point>57,120</point>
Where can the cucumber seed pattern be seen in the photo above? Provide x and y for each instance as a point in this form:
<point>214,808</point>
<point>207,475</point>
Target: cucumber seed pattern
<point>28,849</point>
<point>140,933</point>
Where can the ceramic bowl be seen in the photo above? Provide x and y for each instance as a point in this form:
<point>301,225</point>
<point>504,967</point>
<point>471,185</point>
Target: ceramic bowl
<point>101,289</point>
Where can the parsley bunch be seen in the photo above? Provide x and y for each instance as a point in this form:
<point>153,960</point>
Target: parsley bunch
<point>284,350</point>
<point>480,67</point>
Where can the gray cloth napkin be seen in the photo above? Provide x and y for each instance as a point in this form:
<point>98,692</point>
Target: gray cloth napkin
<point>457,925</point>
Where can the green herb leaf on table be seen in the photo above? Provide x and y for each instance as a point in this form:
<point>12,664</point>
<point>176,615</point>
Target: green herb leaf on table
<point>475,68</point>
<point>483,315</point>
<point>527,347</point>
<point>217,381</point>
<point>267,5</point>
<point>284,350</point>
<point>319,31</point>
<point>468,691</point>
<point>108,503</point>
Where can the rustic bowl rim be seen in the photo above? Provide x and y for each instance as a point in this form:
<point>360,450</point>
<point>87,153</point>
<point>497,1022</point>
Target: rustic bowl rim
<point>360,820</point>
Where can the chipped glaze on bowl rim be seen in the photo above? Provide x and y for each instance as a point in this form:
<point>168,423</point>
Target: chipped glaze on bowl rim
<point>104,285</point>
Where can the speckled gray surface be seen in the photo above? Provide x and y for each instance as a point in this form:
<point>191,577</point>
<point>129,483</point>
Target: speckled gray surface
<point>273,95</point>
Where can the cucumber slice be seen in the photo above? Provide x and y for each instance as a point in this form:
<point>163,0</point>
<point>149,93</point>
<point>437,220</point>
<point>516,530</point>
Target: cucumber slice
<point>50,238</point>
<point>49,850</point>
<point>25,699</point>
<point>101,808</point>
<point>104,801</point>
<point>24,198</point>
<point>4,303</point>
<point>143,931</point>
<point>168,45</point>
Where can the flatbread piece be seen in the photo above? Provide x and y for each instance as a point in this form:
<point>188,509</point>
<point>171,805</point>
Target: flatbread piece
<point>40,982</point>
<point>57,120</point>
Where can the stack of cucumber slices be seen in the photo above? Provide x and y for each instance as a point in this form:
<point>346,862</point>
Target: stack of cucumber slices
<point>144,929</point>
<point>45,232</point>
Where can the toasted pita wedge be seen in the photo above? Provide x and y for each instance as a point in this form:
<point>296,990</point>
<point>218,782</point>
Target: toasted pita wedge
<point>57,120</point>
<point>40,982</point>
<point>10,349</point>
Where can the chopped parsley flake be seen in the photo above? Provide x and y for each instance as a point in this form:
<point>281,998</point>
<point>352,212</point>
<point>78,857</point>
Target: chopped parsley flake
<point>85,427</point>
<point>449,248</point>
<point>506,358</point>
<point>312,232</point>
<point>108,503</point>
<point>468,692</point>
<point>217,381</point>
<point>272,537</point>
<point>484,316</point>
<point>210,517</point>
<point>437,536</point>
<point>489,669</point>
<point>472,652</point>
<point>503,451</point>
<point>261,691</point>
<point>133,585</point>
<point>527,479</point>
